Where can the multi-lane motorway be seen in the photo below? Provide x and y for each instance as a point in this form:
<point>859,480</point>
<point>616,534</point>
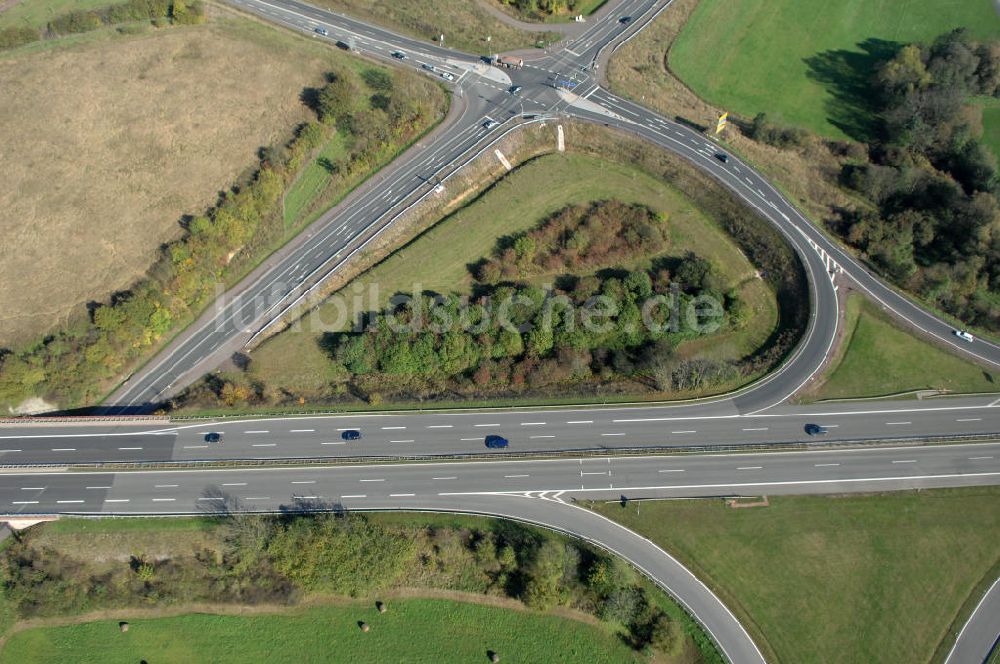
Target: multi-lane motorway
<point>536,491</point>
<point>535,431</point>
<point>555,86</point>
<point>599,477</point>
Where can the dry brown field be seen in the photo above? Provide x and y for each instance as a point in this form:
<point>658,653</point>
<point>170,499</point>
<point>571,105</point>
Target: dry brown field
<point>109,139</point>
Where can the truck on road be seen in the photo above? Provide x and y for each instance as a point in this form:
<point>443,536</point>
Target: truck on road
<point>507,61</point>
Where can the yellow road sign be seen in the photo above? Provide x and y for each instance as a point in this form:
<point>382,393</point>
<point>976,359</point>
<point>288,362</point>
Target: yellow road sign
<point>723,120</point>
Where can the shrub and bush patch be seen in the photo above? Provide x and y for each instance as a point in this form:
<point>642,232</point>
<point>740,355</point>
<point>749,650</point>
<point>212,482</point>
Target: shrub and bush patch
<point>515,334</point>
<point>287,560</point>
<point>159,12</point>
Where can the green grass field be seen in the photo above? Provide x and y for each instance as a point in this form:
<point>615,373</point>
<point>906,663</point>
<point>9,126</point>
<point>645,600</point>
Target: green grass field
<point>881,358</point>
<point>806,62</point>
<point>991,128</point>
<point>294,359</point>
<point>313,180</point>
<point>37,13</point>
<point>836,579</point>
<point>413,630</point>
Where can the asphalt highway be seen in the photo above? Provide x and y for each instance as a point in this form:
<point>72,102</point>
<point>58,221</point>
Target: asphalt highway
<point>557,84</point>
<point>535,491</point>
<point>605,477</point>
<point>978,638</point>
<point>431,433</point>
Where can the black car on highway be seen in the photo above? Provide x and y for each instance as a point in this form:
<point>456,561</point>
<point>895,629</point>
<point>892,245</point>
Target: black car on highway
<point>213,437</point>
<point>815,430</point>
<point>496,442</point>
<point>351,434</point>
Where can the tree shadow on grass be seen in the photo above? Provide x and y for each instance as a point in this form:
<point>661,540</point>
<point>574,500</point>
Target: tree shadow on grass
<point>847,77</point>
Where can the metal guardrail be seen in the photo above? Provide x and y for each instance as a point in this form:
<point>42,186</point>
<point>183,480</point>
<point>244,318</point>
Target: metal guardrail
<point>70,419</point>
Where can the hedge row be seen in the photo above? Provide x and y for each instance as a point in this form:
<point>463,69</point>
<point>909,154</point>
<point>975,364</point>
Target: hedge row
<point>182,12</point>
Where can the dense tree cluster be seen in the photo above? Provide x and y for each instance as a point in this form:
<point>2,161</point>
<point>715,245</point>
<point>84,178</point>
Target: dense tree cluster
<point>578,237</point>
<point>595,327</point>
<point>933,223</point>
<point>264,559</point>
<point>70,364</point>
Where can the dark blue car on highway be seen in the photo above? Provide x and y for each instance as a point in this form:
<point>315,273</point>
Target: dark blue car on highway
<point>496,442</point>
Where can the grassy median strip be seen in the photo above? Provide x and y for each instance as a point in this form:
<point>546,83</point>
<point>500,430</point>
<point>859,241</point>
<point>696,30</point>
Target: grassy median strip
<point>880,359</point>
<point>875,578</point>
